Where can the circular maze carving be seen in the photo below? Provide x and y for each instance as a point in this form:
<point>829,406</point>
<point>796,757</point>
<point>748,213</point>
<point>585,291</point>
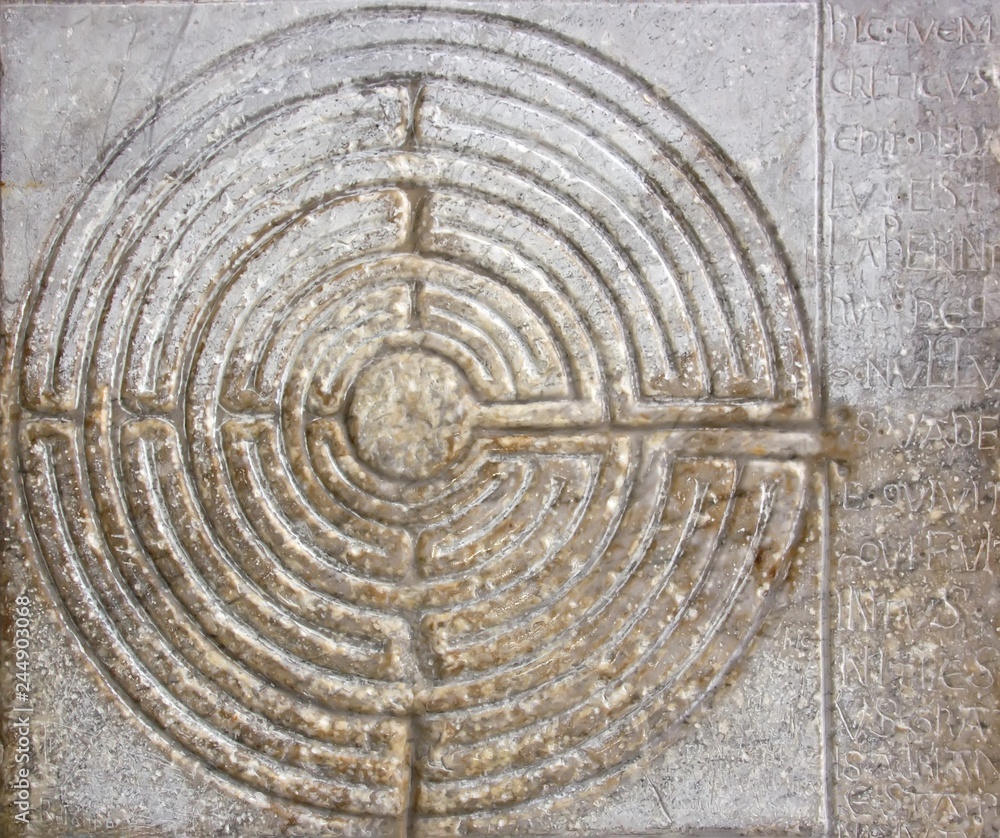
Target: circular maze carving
<point>412,412</point>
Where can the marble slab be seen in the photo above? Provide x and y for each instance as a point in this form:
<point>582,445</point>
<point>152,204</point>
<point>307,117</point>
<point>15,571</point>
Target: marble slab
<point>500,418</point>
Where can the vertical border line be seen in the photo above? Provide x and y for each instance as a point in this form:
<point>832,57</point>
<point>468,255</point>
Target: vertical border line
<point>824,278</point>
<point>826,655</point>
<point>823,269</point>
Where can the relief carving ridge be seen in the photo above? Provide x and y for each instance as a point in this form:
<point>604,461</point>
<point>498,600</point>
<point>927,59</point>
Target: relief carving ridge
<point>415,432</point>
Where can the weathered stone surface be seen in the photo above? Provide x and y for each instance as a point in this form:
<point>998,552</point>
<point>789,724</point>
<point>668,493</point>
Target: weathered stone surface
<point>913,352</point>
<point>514,419</point>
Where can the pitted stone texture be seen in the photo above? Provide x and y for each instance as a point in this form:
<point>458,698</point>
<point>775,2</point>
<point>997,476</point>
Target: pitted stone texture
<point>416,432</point>
<point>408,415</point>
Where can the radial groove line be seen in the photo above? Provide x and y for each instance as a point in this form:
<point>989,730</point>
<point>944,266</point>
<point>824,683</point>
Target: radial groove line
<point>760,443</point>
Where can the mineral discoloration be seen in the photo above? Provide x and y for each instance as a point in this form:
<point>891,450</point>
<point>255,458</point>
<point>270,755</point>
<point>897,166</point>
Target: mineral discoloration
<point>426,421</point>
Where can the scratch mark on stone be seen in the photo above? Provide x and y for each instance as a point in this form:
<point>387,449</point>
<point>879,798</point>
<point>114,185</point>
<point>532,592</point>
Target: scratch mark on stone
<point>660,801</point>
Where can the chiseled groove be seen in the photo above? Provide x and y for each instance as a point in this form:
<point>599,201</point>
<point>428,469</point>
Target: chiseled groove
<point>227,516</point>
<point>268,377</point>
<point>265,230</point>
<point>782,289</point>
<point>446,591</point>
<point>568,657</point>
<point>568,701</point>
<point>610,745</point>
<point>224,621</point>
<point>533,336</point>
<point>492,620</point>
<point>277,302</point>
<point>481,50</point>
<point>161,595</point>
<point>199,335</point>
<point>768,587</point>
<point>521,237</point>
<point>239,474</point>
<point>513,341</point>
<point>242,639</point>
<point>336,581</point>
<point>747,264</point>
<point>354,300</point>
<point>295,447</point>
<point>144,583</point>
<point>585,131</point>
<point>559,687</point>
<point>512,543</point>
<point>440,271</point>
<point>349,285</point>
<point>494,572</point>
<point>722,324</point>
<point>254,342</point>
<point>330,552</point>
<point>409,505</point>
<point>308,502</point>
<point>491,374</point>
<point>441,594</point>
<point>66,290</point>
<point>782,441</point>
<point>396,519</point>
<point>638,130</point>
<point>365,592</point>
<point>479,255</point>
<point>102,617</point>
<point>599,203</point>
<point>366,317</point>
<point>655,660</point>
<point>571,226</point>
<point>755,223</point>
<point>497,620</point>
<point>119,243</point>
<point>651,714</point>
<point>456,544</point>
<point>322,391</point>
<point>721,290</point>
<point>562,473</point>
<point>641,127</point>
<point>319,396</point>
<point>233,271</point>
<point>463,307</point>
<point>562,656</point>
<point>223,565</point>
<point>491,484</point>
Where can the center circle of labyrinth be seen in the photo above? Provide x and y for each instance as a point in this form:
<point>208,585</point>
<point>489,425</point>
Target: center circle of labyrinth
<point>413,426</point>
<point>408,416</point>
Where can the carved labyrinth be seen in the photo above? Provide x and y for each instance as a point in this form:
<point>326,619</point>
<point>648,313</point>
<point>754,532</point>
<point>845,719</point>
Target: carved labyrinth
<point>415,417</point>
